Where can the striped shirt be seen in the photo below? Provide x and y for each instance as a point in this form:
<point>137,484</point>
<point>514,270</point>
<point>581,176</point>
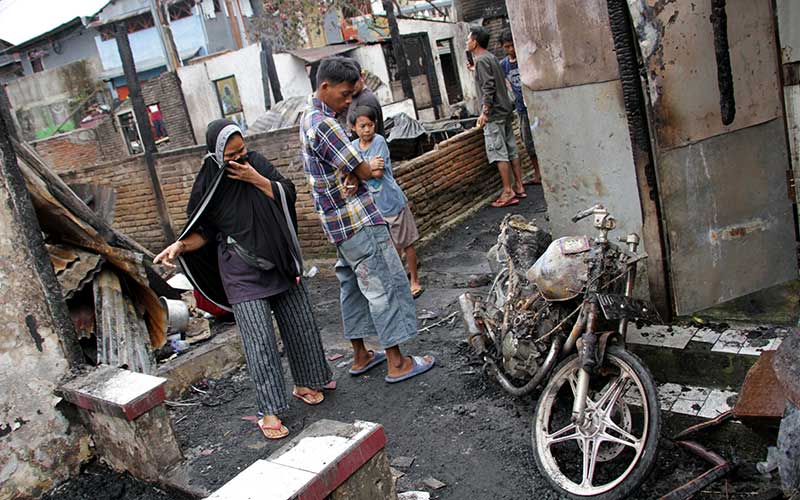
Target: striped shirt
<point>327,157</point>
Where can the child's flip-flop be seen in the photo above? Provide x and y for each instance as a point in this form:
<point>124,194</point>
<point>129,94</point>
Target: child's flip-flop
<point>378,357</point>
<point>277,427</point>
<point>421,365</point>
<point>416,292</point>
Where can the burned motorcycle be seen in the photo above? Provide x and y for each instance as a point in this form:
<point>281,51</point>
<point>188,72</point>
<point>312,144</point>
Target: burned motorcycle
<point>562,322</point>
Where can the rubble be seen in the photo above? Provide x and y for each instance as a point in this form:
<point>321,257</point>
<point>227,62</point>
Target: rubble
<point>121,308</point>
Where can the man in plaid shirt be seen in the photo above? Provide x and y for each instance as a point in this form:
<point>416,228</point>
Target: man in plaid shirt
<point>375,294</point>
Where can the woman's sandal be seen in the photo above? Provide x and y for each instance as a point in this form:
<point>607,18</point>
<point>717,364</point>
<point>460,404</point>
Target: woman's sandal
<point>282,430</point>
<point>309,398</point>
<point>500,203</point>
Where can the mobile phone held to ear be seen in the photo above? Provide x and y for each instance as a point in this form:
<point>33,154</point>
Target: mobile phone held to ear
<point>470,60</point>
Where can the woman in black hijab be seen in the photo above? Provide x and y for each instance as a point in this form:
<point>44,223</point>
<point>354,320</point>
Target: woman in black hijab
<point>244,208</point>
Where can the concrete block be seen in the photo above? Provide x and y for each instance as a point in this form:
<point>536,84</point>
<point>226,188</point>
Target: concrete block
<point>146,447</point>
<point>130,426</point>
<point>115,392</point>
<point>327,460</point>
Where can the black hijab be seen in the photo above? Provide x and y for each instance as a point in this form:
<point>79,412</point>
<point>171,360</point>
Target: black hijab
<point>220,207</point>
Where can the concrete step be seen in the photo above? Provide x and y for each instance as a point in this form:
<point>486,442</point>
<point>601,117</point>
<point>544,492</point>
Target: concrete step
<point>701,356</point>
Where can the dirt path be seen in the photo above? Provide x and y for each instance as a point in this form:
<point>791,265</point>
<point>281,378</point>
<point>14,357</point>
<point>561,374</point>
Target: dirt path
<point>460,427</point>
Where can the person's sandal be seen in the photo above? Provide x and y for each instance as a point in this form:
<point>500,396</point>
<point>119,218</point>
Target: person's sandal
<point>500,203</point>
<point>309,398</point>
<point>283,431</point>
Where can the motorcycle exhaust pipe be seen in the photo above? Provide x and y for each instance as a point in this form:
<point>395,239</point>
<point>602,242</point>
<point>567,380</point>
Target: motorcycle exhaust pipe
<point>549,362</point>
<point>467,303</point>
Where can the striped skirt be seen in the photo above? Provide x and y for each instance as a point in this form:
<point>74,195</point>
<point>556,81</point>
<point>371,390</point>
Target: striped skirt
<point>301,340</point>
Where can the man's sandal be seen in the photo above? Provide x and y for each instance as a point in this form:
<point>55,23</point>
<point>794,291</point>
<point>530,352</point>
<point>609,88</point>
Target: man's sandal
<point>282,430</point>
<point>309,398</point>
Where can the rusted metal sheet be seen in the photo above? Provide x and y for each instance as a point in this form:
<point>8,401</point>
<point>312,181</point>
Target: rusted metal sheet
<point>562,43</point>
<point>677,42</point>
<point>788,21</point>
<point>727,216</point>
<point>74,267</point>
<point>761,395</point>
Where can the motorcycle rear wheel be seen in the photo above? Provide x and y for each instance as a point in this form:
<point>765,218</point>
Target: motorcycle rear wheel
<point>616,447</point>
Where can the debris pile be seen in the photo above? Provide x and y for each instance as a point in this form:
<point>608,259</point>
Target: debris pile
<point>110,288</point>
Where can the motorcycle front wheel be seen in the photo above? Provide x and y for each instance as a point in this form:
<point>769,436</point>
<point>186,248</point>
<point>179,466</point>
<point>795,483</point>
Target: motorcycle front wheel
<point>611,453</point>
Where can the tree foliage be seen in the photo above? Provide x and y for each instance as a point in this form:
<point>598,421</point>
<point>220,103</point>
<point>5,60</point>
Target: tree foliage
<point>288,24</point>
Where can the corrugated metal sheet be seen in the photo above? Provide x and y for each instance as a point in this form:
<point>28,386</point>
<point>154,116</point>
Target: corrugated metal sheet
<point>122,338</point>
<point>728,219</point>
<point>677,41</point>
<point>562,43</point>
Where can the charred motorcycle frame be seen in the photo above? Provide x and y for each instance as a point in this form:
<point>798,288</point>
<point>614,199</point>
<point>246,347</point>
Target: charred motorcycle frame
<point>562,322</point>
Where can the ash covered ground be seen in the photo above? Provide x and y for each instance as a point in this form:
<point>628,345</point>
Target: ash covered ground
<point>458,425</point>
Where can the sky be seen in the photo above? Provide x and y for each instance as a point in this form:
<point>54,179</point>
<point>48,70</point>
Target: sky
<point>21,20</point>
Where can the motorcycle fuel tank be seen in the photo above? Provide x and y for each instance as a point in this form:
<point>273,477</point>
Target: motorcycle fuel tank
<point>562,271</point>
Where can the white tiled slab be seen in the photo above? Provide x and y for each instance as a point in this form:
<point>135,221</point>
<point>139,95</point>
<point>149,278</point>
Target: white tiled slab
<point>706,335</point>
<point>278,482</point>
<point>730,341</point>
<point>313,454</point>
<point>675,337</point>
<point>716,403</point>
<point>668,394</point>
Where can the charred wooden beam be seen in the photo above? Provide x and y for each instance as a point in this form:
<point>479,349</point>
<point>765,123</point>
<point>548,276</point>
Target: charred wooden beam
<point>143,122</point>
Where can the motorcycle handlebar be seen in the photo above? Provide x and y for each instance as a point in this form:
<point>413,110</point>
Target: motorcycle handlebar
<point>585,213</point>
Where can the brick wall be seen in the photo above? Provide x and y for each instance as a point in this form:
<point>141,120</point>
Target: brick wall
<point>103,143</point>
<point>451,180</point>
<point>470,10</point>
<point>440,185</point>
<point>165,90</point>
<point>495,27</point>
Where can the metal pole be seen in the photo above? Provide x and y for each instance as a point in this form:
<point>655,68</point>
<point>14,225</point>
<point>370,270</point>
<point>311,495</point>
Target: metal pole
<point>143,124</point>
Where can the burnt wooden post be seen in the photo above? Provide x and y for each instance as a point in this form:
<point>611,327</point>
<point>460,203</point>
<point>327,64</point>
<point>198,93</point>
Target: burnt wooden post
<point>25,217</point>
<point>143,122</point>
<point>269,75</point>
<point>399,51</point>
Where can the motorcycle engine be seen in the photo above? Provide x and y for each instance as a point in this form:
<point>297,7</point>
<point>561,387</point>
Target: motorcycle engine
<point>523,348</point>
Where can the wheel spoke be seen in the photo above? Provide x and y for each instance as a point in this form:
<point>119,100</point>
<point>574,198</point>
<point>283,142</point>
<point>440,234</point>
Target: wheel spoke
<point>612,393</point>
<point>573,383</point>
<point>625,438</point>
<point>590,448</point>
<point>562,435</point>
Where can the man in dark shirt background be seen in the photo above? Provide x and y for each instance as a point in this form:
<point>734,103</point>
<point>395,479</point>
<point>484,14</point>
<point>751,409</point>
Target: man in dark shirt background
<point>511,70</point>
<point>496,118</point>
<point>363,96</point>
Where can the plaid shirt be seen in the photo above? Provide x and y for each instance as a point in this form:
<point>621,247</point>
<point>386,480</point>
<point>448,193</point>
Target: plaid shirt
<point>328,156</point>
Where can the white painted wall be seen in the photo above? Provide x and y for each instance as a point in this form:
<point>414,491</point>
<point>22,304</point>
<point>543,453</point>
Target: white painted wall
<point>292,75</point>
<point>372,59</point>
<point>441,31</point>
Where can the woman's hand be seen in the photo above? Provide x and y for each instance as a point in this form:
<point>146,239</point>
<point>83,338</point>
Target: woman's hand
<point>246,173</point>
<point>169,254</point>
<point>243,172</point>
